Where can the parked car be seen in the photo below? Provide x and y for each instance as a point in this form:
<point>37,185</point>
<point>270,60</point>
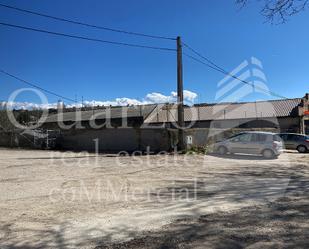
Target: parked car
<point>264,143</point>
<point>294,141</point>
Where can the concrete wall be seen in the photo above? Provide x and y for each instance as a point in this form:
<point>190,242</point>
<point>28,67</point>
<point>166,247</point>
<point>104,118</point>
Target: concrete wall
<point>307,127</point>
<point>156,139</point>
<point>108,140</point>
<point>115,140</point>
<point>281,123</point>
<point>289,124</point>
<point>6,139</point>
<point>204,136</point>
<point>15,139</point>
<point>132,139</point>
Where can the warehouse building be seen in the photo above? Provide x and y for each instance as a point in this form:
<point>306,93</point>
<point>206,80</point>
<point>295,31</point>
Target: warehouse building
<point>138,128</point>
<point>288,115</point>
<point>155,126</point>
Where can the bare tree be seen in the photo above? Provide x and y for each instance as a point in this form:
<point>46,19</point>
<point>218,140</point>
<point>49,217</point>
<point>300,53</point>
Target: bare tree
<point>278,11</point>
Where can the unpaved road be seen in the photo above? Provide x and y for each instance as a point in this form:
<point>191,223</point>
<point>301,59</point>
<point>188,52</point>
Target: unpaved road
<point>78,200</point>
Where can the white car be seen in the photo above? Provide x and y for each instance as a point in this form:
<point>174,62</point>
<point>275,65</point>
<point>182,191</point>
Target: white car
<point>263,143</point>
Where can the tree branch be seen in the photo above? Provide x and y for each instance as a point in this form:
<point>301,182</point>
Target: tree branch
<point>278,11</point>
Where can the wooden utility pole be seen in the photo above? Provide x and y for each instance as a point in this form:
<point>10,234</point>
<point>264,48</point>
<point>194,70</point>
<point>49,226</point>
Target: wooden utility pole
<point>181,145</point>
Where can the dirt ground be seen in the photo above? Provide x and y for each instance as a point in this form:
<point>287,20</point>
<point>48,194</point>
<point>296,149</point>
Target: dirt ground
<point>78,200</point>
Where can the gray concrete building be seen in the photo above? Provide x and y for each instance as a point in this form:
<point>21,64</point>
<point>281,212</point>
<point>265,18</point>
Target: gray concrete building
<point>136,128</point>
<point>288,115</point>
<point>155,126</point>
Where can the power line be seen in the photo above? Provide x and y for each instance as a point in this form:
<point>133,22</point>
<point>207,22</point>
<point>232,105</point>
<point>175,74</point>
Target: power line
<point>220,69</point>
<point>235,77</point>
<point>35,86</point>
<point>85,38</point>
<point>86,24</point>
<point>200,55</point>
<point>198,60</point>
<point>214,66</point>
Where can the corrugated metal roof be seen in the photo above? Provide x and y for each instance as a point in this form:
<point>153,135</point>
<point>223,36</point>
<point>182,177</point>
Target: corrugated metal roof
<point>109,112</point>
<point>266,109</point>
<point>168,113</point>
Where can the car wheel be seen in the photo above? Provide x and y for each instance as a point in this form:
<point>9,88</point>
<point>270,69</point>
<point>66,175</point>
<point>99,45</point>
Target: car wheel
<point>301,149</point>
<point>222,150</point>
<point>268,154</point>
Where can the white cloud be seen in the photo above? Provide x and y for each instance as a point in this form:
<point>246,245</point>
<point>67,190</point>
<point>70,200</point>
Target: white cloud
<point>26,105</point>
<point>150,98</point>
<point>158,98</point>
<point>189,96</point>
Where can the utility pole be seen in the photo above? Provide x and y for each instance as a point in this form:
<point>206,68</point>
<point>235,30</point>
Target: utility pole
<point>181,145</point>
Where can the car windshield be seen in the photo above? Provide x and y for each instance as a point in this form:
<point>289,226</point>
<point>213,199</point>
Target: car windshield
<point>235,135</point>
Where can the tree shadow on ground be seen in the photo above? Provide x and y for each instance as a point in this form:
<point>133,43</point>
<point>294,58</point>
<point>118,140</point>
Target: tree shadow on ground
<point>282,223</point>
<point>56,238</point>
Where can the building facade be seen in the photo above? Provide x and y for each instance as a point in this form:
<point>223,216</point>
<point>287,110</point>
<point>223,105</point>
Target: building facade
<point>154,127</point>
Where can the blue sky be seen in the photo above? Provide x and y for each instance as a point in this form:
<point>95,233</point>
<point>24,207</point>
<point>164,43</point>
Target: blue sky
<point>105,72</point>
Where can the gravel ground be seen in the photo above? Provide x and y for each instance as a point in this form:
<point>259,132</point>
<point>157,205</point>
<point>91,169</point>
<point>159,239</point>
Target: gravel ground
<point>79,200</point>
<point>283,224</point>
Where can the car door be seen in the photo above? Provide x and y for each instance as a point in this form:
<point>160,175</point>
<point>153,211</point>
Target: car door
<point>258,143</point>
<point>240,143</point>
<point>292,142</point>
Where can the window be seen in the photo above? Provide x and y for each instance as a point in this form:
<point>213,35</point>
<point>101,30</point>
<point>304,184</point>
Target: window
<point>258,137</point>
<point>245,137</point>
<point>277,138</point>
<point>234,136</point>
<point>292,137</point>
<point>284,137</point>
<point>303,138</point>
<point>241,138</point>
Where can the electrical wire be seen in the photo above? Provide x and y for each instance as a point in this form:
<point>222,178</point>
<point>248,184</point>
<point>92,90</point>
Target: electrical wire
<point>235,77</point>
<point>86,24</point>
<point>85,38</point>
<point>220,69</point>
<point>198,60</point>
<point>203,57</point>
<point>36,86</point>
<point>211,64</point>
